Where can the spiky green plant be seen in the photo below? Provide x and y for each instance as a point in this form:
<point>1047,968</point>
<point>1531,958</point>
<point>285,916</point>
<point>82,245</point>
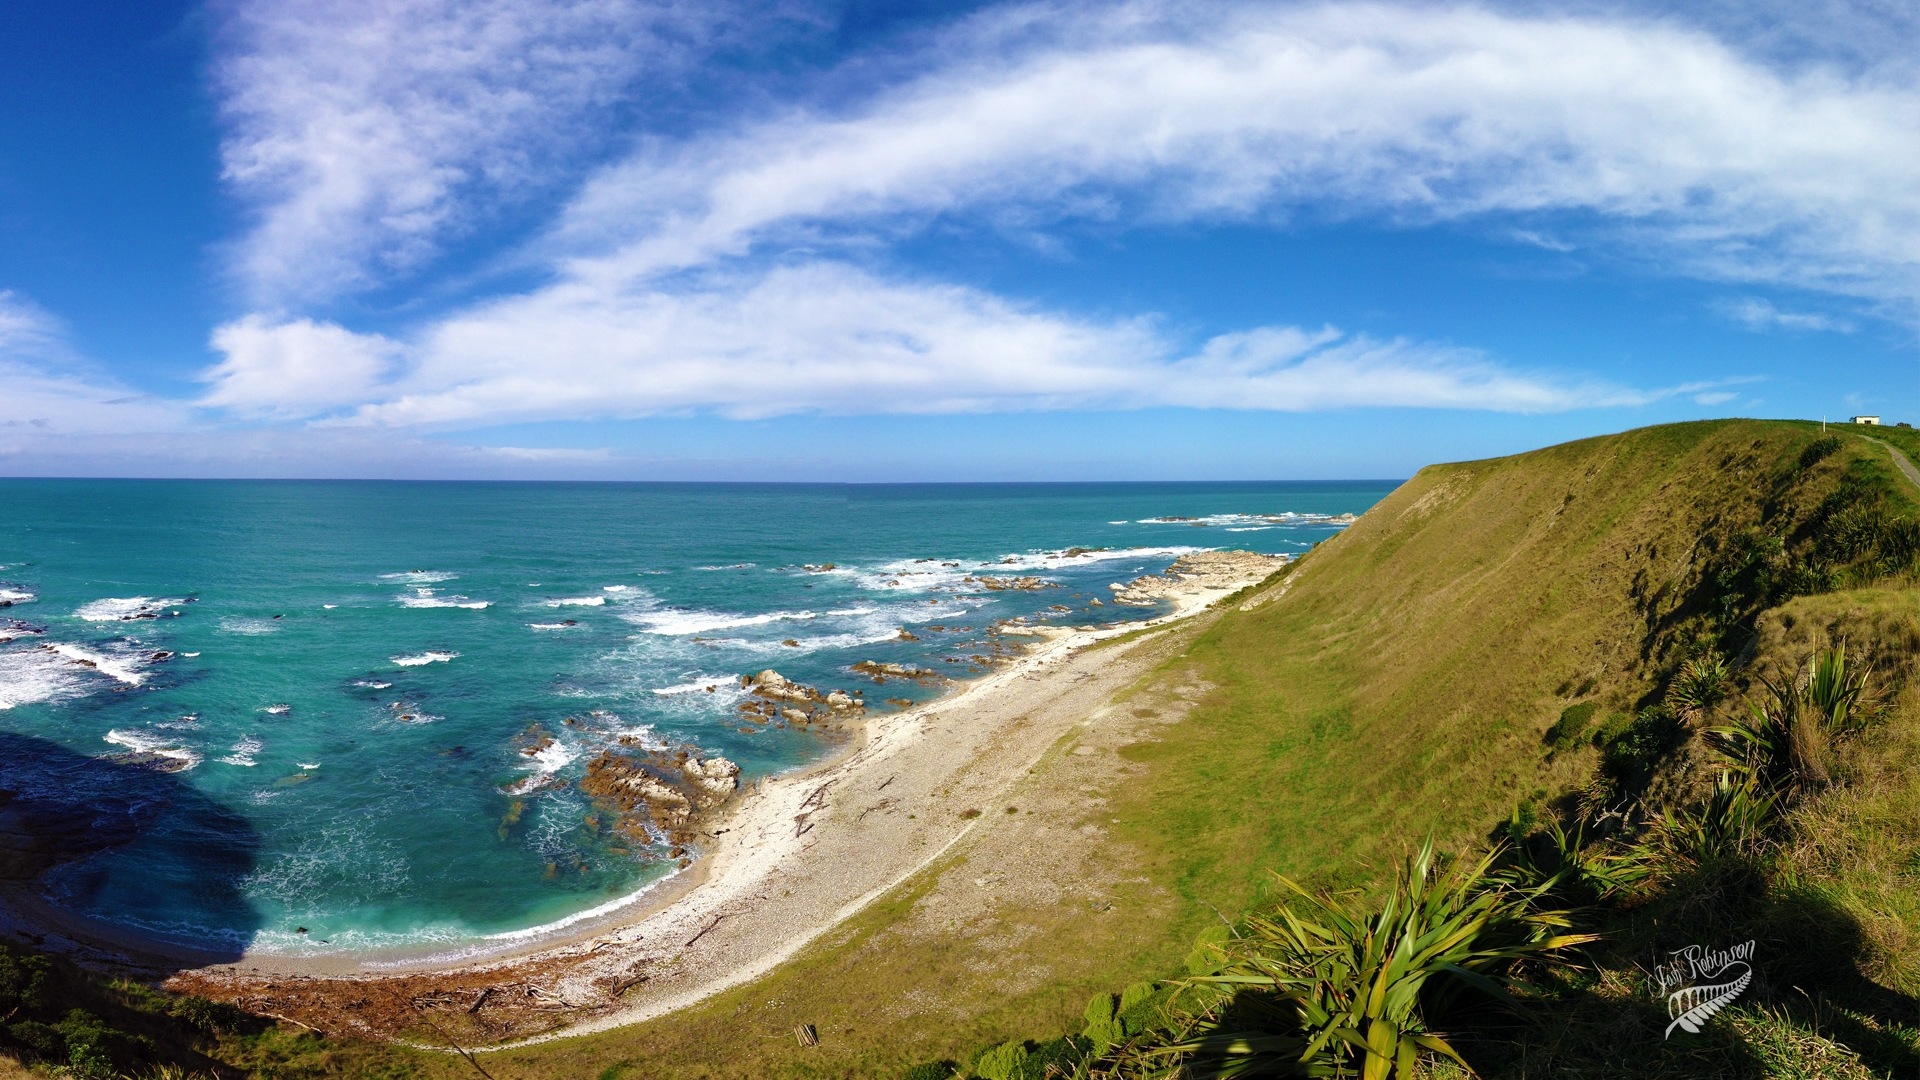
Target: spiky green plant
<point>1700,684</point>
<point>1734,821</point>
<point>1334,990</point>
<point>1554,862</point>
<point>1784,743</point>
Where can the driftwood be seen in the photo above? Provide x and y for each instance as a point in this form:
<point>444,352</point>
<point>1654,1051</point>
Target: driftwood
<point>807,1035</point>
<point>703,933</point>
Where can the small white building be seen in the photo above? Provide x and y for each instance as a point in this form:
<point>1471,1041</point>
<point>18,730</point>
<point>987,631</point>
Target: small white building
<point>1870,421</point>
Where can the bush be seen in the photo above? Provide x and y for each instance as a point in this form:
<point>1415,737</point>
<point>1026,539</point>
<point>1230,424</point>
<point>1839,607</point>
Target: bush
<point>1572,724</point>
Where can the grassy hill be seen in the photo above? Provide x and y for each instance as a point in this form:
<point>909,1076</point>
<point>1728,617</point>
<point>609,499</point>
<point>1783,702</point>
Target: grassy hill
<point>1498,645</point>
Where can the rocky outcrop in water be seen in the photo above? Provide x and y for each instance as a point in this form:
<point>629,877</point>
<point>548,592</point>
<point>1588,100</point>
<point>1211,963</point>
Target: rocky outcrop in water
<point>1002,584</point>
<point>659,795</point>
<point>773,696</point>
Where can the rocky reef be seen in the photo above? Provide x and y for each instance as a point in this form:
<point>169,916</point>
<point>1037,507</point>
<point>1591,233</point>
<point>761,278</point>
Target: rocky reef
<point>659,794</point>
<point>1196,572</point>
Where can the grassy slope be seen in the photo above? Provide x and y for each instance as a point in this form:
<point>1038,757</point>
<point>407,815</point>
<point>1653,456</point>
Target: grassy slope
<point>1401,687</point>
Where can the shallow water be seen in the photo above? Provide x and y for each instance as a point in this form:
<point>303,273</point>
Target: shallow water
<point>347,673</point>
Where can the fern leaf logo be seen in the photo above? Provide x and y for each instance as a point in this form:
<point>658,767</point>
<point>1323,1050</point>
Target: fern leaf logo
<point>1695,1005</point>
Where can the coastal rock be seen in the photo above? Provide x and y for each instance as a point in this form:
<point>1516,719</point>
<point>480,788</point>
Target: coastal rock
<point>1195,573</point>
<point>773,696</point>
<point>880,672</point>
<point>1001,584</point>
<point>660,794</point>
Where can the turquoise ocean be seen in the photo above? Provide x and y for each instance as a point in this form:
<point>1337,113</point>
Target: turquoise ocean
<point>295,716</point>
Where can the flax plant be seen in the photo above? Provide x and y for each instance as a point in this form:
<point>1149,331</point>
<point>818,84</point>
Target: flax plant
<point>1337,991</point>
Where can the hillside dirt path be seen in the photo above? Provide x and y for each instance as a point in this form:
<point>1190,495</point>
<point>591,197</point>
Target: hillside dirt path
<point>1900,461</point>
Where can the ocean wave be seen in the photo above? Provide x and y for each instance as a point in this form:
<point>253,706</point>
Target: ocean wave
<point>31,676</point>
<point>429,598</point>
<point>251,626</point>
<point>578,601</point>
<point>677,622</point>
<point>729,566</point>
<point>423,659</point>
<point>371,684</point>
<point>569,625</point>
<point>119,668</point>
<point>141,742</point>
<point>12,594</point>
<point>700,686</point>
<point>420,577</point>
<point>124,608</point>
<point>242,753</point>
<point>1287,517</point>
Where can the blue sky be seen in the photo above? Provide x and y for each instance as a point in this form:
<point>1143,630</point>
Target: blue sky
<point>865,241</point>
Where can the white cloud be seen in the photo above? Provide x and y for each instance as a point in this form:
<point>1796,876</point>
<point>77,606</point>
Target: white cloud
<point>1731,167</point>
<point>829,338</point>
<point>1760,315</point>
<point>364,132</point>
<point>296,368</point>
<point>706,275</point>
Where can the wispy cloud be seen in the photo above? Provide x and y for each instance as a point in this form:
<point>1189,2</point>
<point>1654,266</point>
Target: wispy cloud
<point>743,272</point>
<point>1760,315</point>
<point>363,133</point>
<point>47,389</point>
<point>1726,166</point>
<point>831,338</point>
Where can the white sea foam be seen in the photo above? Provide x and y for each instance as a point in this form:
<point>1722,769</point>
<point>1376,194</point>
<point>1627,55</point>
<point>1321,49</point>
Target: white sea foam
<point>729,566</point>
<point>701,686</point>
<point>420,577</point>
<point>251,627</point>
<point>10,595</point>
<point>120,608</point>
<point>18,631</point>
<point>141,742</point>
<point>423,658</point>
<point>329,607</point>
<point>28,676</point>
<point>617,588</point>
<point>579,601</point>
<point>277,710</point>
<point>118,668</point>
<point>677,622</point>
<point>308,765</point>
<point>242,753</point>
<point>427,598</point>
<point>554,626</point>
<point>1287,517</point>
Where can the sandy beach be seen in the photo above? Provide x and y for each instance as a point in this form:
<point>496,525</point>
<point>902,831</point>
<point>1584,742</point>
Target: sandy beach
<point>784,862</point>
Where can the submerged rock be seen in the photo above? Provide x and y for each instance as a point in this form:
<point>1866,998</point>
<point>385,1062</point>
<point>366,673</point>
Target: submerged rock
<point>1197,572</point>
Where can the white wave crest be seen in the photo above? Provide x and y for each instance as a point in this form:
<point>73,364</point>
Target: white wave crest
<point>423,658</point>
<point>242,753</point>
<point>251,627</point>
<point>123,608</point>
<point>680,621</point>
<point>701,686</point>
<point>16,596</point>
<point>29,676</point>
<point>420,577</point>
<point>579,601</point>
<point>424,598</point>
<point>118,668</point>
<point>141,742</point>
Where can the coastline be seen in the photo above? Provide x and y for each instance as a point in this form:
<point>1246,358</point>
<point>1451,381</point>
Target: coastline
<point>791,858</point>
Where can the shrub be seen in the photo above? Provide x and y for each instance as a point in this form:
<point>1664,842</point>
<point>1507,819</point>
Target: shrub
<point>1572,724</point>
<point>1700,685</point>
